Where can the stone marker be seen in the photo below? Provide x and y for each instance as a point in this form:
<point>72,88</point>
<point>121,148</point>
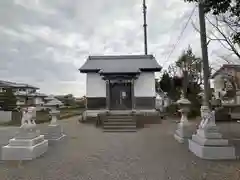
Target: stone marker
<point>208,142</point>
<point>54,130</point>
<point>28,144</point>
<point>184,129</point>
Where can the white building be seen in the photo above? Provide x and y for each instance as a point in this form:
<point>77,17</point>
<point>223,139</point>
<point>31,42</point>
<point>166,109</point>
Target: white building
<point>24,93</point>
<point>120,83</point>
<point>226,81</point>
<point>162,101</point>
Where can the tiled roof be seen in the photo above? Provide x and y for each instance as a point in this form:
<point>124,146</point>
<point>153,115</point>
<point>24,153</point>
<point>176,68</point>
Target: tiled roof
<point>15,85</point>
<point>35,94</point>
<point>50,97</point>
<point>227,66</point>
<point>120,64</point>
<point>54,102</point>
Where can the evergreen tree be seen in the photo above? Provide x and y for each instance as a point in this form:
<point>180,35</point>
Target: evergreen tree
<point>8,100</point>
<point>172,85</point>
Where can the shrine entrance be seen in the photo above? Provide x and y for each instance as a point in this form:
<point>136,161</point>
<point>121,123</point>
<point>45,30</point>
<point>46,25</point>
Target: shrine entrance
<point>120,94</point>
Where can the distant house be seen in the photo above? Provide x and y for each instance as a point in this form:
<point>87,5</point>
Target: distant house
<point>162,100</point>
<point>67,100</point>
<point>53,103</point>
<point>227,83</point>
<point>123,82</point>
<point>49,98</point>
<point>25,94</point>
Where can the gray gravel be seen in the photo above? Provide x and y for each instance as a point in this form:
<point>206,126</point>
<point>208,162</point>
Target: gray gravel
<point>88,153</point>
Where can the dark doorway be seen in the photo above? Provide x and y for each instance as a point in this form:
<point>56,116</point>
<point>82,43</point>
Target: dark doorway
<point>120,96</point>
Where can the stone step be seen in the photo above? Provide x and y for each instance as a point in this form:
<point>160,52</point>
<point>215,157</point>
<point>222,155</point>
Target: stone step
<point>124,113</point>
<point>119,120</point>
<point>120,123</point>
<point>119,130</point>
<point>119,117</point>
<point>119,126</point>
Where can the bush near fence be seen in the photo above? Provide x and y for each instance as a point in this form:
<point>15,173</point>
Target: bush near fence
<point>44,116</point>
<point>16,118</point>
<point>67,112</point>
<point>41,117</point>
<point>173,111</point>
<point>67,108</point>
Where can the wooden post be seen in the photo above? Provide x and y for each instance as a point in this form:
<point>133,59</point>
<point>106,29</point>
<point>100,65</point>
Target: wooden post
<point>132,94</point>
<point>107,94</point>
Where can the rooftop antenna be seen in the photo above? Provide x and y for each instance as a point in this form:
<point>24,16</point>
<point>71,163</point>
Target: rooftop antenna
<point>145,26</point>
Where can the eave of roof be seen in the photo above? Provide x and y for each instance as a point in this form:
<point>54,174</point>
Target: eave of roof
<point>30,95</point>
<point>15,85</point>
<point>92,64</point>
<point>110,57</point>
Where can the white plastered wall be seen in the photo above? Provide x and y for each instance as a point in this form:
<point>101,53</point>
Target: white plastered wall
<point>144,86</point>
<point>96,86</point>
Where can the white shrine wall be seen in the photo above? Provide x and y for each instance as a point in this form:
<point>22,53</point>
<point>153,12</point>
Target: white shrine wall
<point>145,85</point>
<point>96,86</point>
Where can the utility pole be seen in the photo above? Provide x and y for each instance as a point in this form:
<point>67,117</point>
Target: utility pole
<point>145,26</point>
<point>207,128</point>
<point>205,63</point>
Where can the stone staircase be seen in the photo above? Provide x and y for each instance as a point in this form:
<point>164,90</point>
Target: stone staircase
<point>119,123</point>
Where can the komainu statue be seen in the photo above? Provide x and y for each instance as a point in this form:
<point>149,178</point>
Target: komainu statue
<point>28,118</point>
<point>208,117</point>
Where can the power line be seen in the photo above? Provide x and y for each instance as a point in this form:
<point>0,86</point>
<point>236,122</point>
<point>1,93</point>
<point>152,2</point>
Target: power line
<point>180,36</point>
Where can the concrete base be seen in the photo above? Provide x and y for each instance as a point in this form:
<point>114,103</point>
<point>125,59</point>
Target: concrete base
<point>183,132</point>
<point>180,139</point>
<point>212,152</point>
<point>208,144</point>
<point>54,133</point>
<point>23,134</point>
<point>24,149</point>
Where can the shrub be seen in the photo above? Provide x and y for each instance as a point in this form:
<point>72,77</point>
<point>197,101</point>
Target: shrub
<point>8,100</point>
<point>172,109</point>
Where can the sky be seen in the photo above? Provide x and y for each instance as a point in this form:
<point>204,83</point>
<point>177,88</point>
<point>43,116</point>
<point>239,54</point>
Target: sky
<point>45,42</point>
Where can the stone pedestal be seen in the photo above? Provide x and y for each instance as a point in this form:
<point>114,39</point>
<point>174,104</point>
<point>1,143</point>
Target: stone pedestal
<point>184,129</point>
<point>184,132</point>
<point>54,130</point>
<point>27,145</point>
<point>209,144</point>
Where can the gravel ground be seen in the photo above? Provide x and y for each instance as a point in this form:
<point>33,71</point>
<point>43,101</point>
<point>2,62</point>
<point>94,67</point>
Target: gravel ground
<point>89,154</point>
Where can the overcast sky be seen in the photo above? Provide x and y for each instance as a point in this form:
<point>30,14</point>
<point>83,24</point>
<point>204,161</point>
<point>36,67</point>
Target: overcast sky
<point>44,42</point>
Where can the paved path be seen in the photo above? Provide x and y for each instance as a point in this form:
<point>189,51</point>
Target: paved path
<point>89,154</point>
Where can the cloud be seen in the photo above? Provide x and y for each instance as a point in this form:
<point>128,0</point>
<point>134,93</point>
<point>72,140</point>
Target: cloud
<point>44,42</point>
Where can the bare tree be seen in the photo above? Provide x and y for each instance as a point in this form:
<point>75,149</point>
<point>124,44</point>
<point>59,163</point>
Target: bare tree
<point>222,30</point>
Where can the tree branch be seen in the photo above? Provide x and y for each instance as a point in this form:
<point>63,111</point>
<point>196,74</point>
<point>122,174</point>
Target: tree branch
<point>213,39</point>
<point>227,40</point>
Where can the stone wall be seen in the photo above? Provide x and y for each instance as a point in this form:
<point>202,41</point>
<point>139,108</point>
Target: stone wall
<point>5,116</point>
